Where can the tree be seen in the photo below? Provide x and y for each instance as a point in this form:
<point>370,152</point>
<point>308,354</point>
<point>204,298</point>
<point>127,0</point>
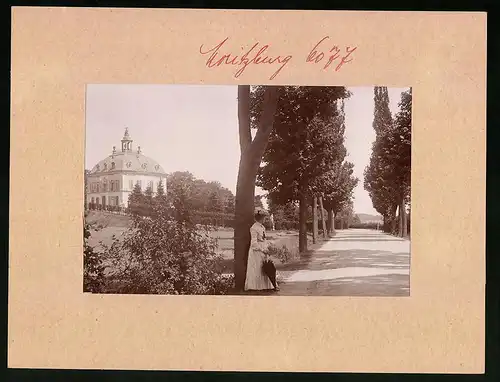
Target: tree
<point>148,201</point>
<point>258,201</point>
<point>136,200</point>
<point>322,212</point>
<point>356,219</point>
<point>180,195</point>
<point>251,151</point>
<point>382,118</point>
<point>400,154</point>
<point>215,204</point>
<point>377,175</point>
<point>346,215</point>
<point>285,215</point>
<point>306,140</point>
<point>338,186</point>
<point>160,197</point>
<point>229,203</point>
<point>387,177</point>
<point>162,255</point>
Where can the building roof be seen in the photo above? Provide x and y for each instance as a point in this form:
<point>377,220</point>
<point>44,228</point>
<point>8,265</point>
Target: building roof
<point>127,160</point>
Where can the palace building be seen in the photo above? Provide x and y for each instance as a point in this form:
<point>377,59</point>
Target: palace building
<point>110,181</point>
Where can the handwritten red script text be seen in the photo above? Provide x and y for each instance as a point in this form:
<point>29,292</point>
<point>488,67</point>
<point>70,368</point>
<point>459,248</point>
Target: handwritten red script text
<point>257,54</point>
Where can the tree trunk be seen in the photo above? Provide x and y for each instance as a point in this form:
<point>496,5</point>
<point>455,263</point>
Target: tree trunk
<point>408,223</point>
<point>302,224</point>
<point>323,222</point>
<point>315,219</point>
<point>251,156</point>
<point>394,224</point>
<point>404,229</point>
<point>331,223</point>
<point>401,214</point>
<point>244,211</point>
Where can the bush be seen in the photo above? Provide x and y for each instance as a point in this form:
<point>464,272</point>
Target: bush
<point>93,268</point>
<point>217,219</point>
<point>284,225</point>
<point>158,255</point>
<point>283,254</point>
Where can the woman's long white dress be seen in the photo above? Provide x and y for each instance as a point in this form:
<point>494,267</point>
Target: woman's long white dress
<point>256,279</point>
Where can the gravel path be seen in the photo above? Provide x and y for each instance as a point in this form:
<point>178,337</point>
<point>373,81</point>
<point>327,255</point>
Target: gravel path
<point>354,263</point>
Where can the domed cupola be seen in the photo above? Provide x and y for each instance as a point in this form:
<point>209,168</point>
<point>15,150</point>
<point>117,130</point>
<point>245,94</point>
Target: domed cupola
<point>129,161</point>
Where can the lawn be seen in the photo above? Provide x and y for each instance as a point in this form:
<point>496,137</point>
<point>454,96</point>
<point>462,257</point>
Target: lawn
<point>225,239</point>
<point>112,224</point>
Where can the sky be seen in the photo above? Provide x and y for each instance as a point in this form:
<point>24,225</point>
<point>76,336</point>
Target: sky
<point>195,128</point>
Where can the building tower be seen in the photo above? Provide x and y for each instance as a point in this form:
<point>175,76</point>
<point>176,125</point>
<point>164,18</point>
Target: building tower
<point>126,142</point>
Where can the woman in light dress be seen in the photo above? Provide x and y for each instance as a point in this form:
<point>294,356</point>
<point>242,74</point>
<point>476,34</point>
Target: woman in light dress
<point>255,278</point>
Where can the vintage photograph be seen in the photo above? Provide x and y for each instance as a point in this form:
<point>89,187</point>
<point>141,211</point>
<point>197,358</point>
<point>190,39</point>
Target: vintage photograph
<point>247,190</point>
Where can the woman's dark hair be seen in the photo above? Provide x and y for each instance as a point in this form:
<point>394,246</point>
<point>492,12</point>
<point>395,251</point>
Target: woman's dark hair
<point>259,217</point>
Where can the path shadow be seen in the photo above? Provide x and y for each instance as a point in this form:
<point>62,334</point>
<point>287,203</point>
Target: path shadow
<point>365,239</point>
<point>393,285</point>
<point>348,258</point>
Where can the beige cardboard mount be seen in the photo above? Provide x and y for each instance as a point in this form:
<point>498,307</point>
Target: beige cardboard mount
<point>56,52</point>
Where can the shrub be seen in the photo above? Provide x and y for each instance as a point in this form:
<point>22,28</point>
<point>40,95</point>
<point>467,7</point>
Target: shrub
<point>158,255</point>
<point>217,219</point>
<point>223,285</point>
<point>93,268</point>
<point>283,254</point>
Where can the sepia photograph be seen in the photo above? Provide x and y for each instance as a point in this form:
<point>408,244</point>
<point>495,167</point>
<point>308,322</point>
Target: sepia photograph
<point>247,190</point>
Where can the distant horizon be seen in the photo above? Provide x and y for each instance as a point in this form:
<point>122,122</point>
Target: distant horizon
<point>173,122</point>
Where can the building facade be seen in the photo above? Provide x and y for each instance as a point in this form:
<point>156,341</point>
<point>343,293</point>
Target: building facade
<point>110,181</point>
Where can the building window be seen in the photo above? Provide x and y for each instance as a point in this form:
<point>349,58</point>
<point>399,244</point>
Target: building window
<point>112,165</point>
<point>117,185</point>
<point>131,184</point>
<point>97,187</point>
<point>105,186</point>
<point>139,182</point>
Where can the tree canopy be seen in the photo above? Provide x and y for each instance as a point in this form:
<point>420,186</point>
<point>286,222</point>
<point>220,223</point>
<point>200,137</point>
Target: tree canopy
<point>306,141</point>
<point>387,177</point>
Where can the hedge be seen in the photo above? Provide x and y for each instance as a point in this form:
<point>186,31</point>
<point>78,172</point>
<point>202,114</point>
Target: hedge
<point>217,219</point>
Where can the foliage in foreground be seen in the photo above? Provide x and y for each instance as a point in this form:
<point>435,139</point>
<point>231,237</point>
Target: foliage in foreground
<point>160,255</point>
<point>93,268</point>
<point>283,253</point>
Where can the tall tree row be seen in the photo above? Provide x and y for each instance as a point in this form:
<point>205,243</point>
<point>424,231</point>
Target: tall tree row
<point>194,195</point>
<point>307,140</point>
<point>387,177</point>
